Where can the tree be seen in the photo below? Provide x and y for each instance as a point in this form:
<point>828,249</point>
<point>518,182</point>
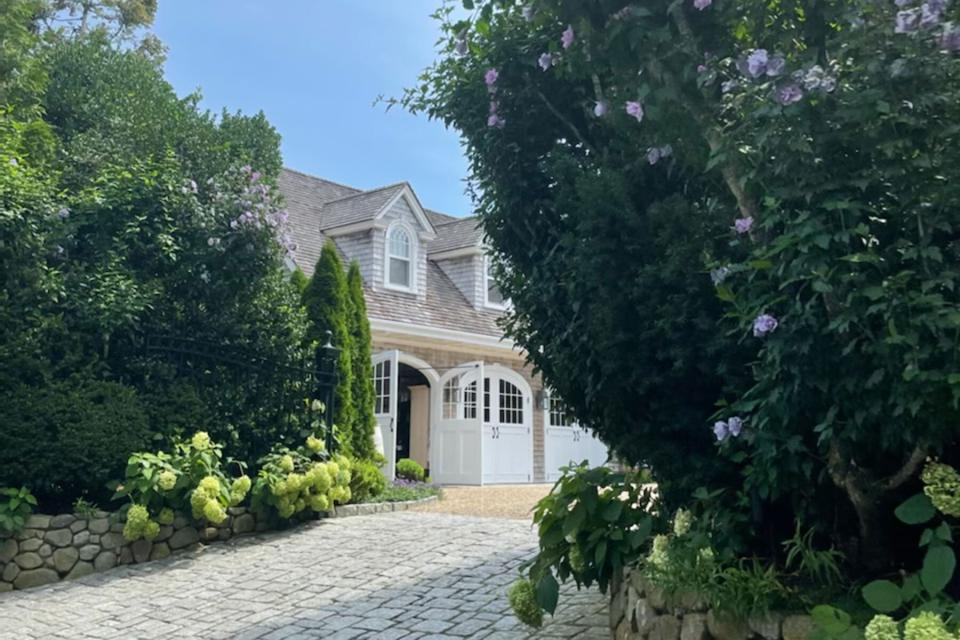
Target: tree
<point>362,376</point>
<point>327,302</point>
<point>811,142</point>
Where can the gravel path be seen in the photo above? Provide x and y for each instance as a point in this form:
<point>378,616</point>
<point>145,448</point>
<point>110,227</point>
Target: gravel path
<point>492,501</point>
<point>395,576</point>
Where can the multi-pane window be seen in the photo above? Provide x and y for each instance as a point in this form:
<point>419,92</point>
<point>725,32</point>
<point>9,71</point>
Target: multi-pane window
<point>459,403</point>
<point>486,400</point>
<point>399,258</point>
<point>494,298</point>
<point>511,403</point>
<point>470,401</point>
<point>381,387</point>
<point>451,398</point>
<point>558,414</point>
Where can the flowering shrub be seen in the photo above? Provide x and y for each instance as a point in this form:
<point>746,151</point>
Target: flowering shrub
<point>410,470</point>
<point>293,481</point>
<point>158,484</point>
<point>367,481</point>
<point>810,187</point>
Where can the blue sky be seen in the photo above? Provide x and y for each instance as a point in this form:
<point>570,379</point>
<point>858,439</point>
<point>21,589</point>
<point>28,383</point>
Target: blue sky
<point>315,67</point>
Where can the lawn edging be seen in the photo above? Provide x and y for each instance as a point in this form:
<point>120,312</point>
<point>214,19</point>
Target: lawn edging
<point>370,508</point>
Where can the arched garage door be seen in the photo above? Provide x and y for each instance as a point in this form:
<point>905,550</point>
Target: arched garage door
<point>566,442</point>
<point>484,433</point>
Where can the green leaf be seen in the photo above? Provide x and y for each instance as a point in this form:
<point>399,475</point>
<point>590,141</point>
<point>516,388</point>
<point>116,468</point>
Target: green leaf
<point>916,510</point>
<point>911,587</point>
<point>572,523</point>
<point>611,512</point>
<point>548,592</point>
<point>832,620</point>
<point>938,567</point>
<point>883,596</point>
<point>943,532</point>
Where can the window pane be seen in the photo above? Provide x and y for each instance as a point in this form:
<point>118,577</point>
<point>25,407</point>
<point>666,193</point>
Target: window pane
<point>400,272</point>
<point>470,401</point>
<point>493,292</point>
<point>399,243</point>
<point>511,403</point>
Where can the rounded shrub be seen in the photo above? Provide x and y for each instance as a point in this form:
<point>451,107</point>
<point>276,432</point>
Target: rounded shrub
<point>410,470</point>
<point>68,439</point>
<point>367,481</point>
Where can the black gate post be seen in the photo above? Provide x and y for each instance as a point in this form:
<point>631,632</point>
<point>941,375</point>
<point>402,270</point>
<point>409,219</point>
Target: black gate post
<point>331,377</point>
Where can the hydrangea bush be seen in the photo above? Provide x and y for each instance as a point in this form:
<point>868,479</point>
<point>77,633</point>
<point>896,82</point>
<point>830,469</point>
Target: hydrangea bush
<point>811,168</point>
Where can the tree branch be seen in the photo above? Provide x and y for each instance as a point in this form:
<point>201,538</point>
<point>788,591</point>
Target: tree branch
<point>908,470</point>
<point>556,112</point>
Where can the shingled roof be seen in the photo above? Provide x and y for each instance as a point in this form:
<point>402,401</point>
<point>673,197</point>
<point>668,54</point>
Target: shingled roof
<point>316,204</point>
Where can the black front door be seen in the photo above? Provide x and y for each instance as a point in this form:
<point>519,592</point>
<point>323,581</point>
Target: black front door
<point>403,424</point>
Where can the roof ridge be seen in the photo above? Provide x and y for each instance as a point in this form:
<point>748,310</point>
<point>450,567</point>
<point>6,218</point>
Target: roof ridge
<point>456,220</point>
<point>310,175</point>
<point>367,192</point>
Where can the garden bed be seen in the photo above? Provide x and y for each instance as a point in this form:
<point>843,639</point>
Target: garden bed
<point>61,547</point>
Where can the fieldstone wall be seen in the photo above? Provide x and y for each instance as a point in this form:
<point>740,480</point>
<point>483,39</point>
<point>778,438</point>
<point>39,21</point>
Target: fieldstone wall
<point>641,611</point>
<point>53,548</point>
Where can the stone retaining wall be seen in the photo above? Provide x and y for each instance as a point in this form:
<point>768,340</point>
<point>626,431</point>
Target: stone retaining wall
<point>641,611</point>
<point>53,548</point>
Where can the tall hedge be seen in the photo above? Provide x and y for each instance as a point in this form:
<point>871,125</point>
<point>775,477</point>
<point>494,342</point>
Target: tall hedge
<point>363,394</point>
<point>327,302</point>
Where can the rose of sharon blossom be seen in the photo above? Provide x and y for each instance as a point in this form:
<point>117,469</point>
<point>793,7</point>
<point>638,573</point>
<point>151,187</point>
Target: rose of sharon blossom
<point>720,430</point>
<point>950,40</point>
<point>527,12</point>
<point>718,275</point>
<point>701,4</point>
<point>635,109</point>
<point>545,61</point>
<point>907,21</point>
<point>776,66</point>
<point>735,426</point>
<point>789,94</point>
<point>567,37</point>
<point>490,79</point>
<point>666,151</point>
<point>763,325</point>
<point>64,213</point>
<point>931,12</point>
<point>601,108</point>
<point>743,225</point>
<point>756,63</point>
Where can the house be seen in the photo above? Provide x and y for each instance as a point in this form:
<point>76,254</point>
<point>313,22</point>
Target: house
<point>451,391</point>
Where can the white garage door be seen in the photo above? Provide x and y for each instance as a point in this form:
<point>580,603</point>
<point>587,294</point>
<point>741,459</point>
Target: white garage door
<point>565,442</point>
<point>507,428</point>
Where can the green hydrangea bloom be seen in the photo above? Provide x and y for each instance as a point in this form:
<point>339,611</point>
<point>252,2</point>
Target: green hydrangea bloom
<point>942,487</point>
<point>333,469</point>
<point>166,516</point>
<point>294,483</point>
<point>299,505</point>
<point>131,533</point>
<point>319,478</point>
<point>286,463</point>
<point>577,563</point>
<point>682,522</point>
<point>210,486</point>
<point>151,530</point>
<point>137,519</point>
<point>320,503</point>
<point>926,626</point>
<point>198,500</point>
<point>239,489</point>
<point>285,510</point>
<point>882,628</point>
<point>523,601</point>
<point>200,441</point>
<point>315,444</point>
<point>213,511</point>
<point>166,480</point>
<point>705,556</point>
<point>659,552</point>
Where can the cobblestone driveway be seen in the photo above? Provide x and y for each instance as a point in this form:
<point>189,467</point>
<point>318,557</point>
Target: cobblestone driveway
<point>393,575</point>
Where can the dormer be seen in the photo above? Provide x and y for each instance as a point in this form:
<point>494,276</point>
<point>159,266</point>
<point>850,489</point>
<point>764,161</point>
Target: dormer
<point>386,231</point>
<point>460,251</point>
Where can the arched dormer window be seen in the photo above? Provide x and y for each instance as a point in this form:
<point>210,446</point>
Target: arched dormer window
<point>401,252</point>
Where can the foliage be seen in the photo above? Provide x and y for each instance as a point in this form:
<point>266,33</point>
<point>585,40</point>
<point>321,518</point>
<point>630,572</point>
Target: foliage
<point>328,306</point>
<point>367,481</point>
<point>809,154</point>
<point>297,481</point>
<point>410,470</point>
<point>593,523</point>
<point>83,508</point>
<point>406,491</point>
<point>523,600</point>
<point>361,393</point>
<point>15,507</point>
<point>68,439</point>
<point>190,478</point>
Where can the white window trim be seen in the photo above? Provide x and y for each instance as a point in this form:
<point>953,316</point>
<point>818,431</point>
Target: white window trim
<point>499,306</point>
<point>414,242</point>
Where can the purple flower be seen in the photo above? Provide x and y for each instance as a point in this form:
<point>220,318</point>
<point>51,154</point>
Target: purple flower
<point>600,108</point>
<point>718,275</point>
<point>743,225</point>
<point>60,250</point>
<point>776,66</point>
<point>701,4</point>
<point>254,177</point>
<point>490,79</point>
<point>496,121</point>
<point>13,162</point>
<point>735,426</point>
<point>763,325</point>
<point>567,37</point>
<point>528,12</point>
<point>193,185</point>
<point>64,213</point>
<point>545,61</point>
<point>756,64</point>
<point>701,68</point>
<point>907,21</point>
<point>635,109</point>
<point>931,13</point>
<point>653,155</point>
<point>720,430</point>
<point>902,3</point>
<point>234,224</point>
<point>789,94</point>
<point>950,40</point>
<point>666,151</point>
